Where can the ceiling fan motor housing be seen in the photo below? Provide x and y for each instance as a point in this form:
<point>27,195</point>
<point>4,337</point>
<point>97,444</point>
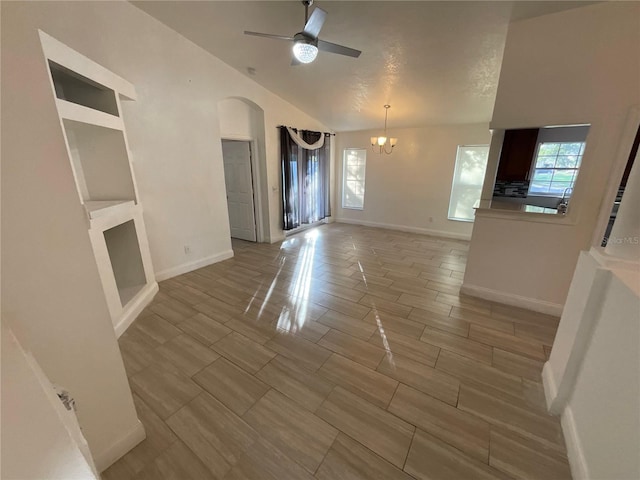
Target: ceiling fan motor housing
<point>301,37</point>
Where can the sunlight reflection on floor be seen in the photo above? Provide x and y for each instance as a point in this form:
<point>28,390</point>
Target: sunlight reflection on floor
<point>293,319</point>
<point>383,336</point>
<point>294,314</point>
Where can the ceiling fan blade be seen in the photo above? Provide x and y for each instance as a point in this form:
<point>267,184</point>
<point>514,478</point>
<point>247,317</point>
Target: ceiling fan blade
<point>268,35</point>
<point>315,22</point>
<point>339,49</point>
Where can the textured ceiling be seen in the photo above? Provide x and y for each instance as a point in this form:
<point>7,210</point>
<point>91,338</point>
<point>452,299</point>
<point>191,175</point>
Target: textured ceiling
<point>433,62</point>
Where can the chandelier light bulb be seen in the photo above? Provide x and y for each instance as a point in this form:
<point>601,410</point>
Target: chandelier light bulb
<point>381,141</point>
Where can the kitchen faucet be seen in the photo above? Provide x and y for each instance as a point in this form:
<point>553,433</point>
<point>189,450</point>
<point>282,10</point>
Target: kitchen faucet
<point>564,201</point>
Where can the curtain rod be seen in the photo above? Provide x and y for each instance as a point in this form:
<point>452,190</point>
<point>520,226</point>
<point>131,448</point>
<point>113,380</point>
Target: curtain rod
<point>296,129</point>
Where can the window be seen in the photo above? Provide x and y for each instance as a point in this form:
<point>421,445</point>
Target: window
<point>556,168</point>
<point>471,163</point>
<point>354,163</point>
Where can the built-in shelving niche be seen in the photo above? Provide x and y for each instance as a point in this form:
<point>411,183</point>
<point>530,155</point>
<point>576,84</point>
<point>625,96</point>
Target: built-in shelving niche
<point>75,88</point>
<point>100,160</point>
<point>126,261</point>
<point>87,97</point>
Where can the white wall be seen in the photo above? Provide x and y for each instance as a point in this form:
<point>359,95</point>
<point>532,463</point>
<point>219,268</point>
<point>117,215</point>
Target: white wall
<point>51,286</point>
<point>409,189</point>
<point>236,119</point>
<point>580,66</point>
<point>51,290</point>
<point>592,377</point>
<point>35,424</point>
<point>605,404</point>
<point>173,128</point>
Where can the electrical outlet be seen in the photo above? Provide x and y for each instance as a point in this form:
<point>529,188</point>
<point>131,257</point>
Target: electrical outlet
<point>187,249</point>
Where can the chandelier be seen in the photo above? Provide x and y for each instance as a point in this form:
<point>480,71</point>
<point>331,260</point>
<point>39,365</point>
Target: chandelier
<point>381,141</point>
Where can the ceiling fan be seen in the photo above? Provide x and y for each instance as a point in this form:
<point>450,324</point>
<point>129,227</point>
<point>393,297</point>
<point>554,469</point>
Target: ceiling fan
<point>306,43</point>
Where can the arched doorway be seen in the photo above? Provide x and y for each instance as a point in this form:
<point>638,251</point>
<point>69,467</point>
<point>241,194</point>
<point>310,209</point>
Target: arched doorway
<point>242,133</point>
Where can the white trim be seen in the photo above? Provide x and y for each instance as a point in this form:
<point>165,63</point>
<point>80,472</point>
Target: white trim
<point>79,113</point>
<point>575,453</point>
<point>549,384</point>
<point>512,299</point>
<point>406,228</point>
<point>190,266</point>
<point>108,457</point>
<point>237,137</point>
<point>135,307</point>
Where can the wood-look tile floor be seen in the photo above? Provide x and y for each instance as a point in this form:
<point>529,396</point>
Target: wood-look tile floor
<point>344,352</point>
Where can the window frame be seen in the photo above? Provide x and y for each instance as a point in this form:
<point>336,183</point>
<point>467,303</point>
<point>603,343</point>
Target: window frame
<point>453,180</point>
<point>535,161</point>
<point>344,177</point>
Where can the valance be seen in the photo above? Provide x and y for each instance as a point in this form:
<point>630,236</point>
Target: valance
<point>297,137</point>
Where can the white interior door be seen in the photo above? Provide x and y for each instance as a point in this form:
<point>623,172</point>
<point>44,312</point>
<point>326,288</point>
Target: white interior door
<point>238,179</point>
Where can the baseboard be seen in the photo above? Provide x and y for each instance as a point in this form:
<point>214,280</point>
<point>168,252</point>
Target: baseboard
<point>277,238</point>
<point>575,454</point>
<point>190,266</point>
<point>133,437</point>
<point>135,307</point>
<point>406,228</point>
<point>533,304</point>
<point>549,384</point>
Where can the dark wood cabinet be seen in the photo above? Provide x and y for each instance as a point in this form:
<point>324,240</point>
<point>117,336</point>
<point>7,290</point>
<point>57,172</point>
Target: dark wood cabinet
<point>517,153</point>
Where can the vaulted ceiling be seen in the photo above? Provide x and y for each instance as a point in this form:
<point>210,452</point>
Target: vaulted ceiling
<point>433,62</point>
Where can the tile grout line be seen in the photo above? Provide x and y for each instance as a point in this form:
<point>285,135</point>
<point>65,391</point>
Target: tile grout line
<point>396,246</point>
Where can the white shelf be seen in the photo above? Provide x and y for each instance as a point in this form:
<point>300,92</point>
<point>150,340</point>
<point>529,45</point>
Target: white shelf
<point>59,53</point>
<point>99,159</point>
<point>88,99</point>
<point>78,113</point>
<point>103,208</point>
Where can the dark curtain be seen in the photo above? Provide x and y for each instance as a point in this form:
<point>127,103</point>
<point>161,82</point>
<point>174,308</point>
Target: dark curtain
<point>305,179</point>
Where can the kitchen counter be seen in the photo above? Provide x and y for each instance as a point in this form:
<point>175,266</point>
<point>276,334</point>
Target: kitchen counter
<point>514,207</point>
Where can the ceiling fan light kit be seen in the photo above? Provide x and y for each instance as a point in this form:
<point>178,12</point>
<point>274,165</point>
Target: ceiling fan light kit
<point>381,141</point>
<point>306,43</point>
<point>305,50</point>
